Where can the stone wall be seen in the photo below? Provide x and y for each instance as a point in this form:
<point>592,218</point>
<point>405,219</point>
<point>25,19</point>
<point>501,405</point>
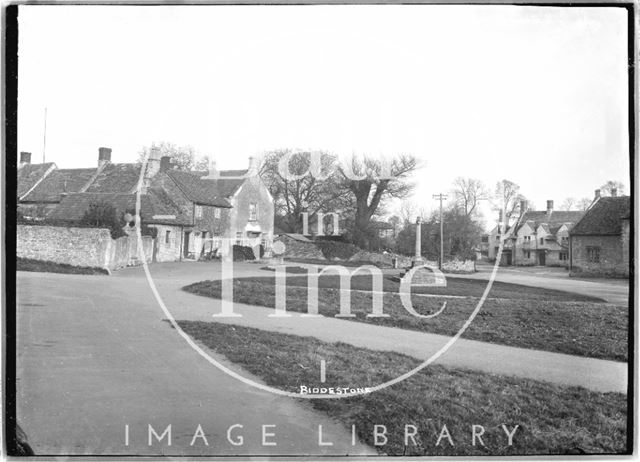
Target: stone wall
<point>612,262</point>
<point>91,247</point>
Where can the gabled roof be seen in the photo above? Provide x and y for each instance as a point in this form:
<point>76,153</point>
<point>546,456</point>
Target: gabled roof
<point>203,191</point>
<point>30,174</point>
<point>116,178</point>
<point>555,218</point>
<point>58,182</point>
<point>604,217</point>
<point>155,203</point>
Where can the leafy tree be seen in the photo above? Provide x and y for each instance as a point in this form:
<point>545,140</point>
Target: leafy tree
<point>104,215</point>
<point>607,188</point>
<point>183,157</point>
<point>570,203</point>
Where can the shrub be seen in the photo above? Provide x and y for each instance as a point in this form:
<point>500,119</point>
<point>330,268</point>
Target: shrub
<point>336,249</point>
<point>243,253</point>
<point>104,215</point>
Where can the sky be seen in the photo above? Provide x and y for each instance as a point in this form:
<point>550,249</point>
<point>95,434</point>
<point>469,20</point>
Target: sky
<point>535,95</point>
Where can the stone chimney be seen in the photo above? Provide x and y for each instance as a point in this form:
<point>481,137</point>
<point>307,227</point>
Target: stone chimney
<point>597,196</point>
<point>165,163</point>
<point>614,192</point>
<point>25,158</point>
<point>549,207</point>
<point>253,165</point>
<point>153,163</point>
<point>104,156</point>
<point>523,206</point>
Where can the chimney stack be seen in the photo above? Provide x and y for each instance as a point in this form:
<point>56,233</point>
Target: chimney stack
<point>597,194</point>
<point>25,157</point>
<point>549,206</point>
<point>614,192</point>
<point>253,166</point>
<point>104,156</point>
<point>523,206</point>
<point>165,163</point>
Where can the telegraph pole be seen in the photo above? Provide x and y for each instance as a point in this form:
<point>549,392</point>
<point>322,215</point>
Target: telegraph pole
<point>44,138</point>
<point>441,197</point>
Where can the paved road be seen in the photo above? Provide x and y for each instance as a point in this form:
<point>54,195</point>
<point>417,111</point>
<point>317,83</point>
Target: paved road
<point>612,290</point>
<point>94,355</point>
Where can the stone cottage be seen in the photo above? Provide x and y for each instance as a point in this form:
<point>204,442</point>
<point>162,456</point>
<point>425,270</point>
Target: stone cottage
<point>539,238</point>
<point>599,242</point>
<point>195,214</point>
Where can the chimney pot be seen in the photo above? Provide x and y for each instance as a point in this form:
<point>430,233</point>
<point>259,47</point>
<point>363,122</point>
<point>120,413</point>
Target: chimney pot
<point>104,156</point>
<point>25,157</point>
<point>597,194</point>
<point>549,206</point>
<point>614,192</point>
<point>165,163</point>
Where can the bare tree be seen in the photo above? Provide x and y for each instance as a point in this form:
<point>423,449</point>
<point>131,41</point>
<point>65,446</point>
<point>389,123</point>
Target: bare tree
<point>371,181</point>
<point>607,188</point>
<point>183,157</point>
<point>467,193</point>
<point>295,190</point>
<point>584,203</point>
<point>570,203</point>
<point>507,197</point>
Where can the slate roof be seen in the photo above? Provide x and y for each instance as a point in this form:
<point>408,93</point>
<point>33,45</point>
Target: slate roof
<point>154,203</point>
<point>58,182</point>
<point>116,178</point>
<point>556,218</point>
<point>604,217</point>
<point>206,191</point>
<point>29,175</point>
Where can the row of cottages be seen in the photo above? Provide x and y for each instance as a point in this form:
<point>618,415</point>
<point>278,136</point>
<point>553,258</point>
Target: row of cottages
<point>599,242</point>
<point>539,238</point>
<point>195,214</point>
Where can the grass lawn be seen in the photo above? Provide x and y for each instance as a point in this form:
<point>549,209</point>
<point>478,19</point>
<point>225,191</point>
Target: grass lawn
<point>27,264</point>
<point>551,419</point>
<point>525,317</point>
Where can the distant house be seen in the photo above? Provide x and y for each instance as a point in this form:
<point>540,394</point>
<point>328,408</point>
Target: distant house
<point>194,213</point>
<point>383,229</point>
<point>538,238</point>
<point>599,242</point>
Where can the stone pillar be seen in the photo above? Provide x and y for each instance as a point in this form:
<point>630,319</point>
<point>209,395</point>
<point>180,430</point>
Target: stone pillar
<point>418,256</point>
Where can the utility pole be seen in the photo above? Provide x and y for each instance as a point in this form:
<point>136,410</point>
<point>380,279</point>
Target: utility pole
<point>44,138</point>
<point>441,197</point>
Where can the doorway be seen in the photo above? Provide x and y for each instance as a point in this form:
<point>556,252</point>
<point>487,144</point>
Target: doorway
<point>185,249</point>
<point>542,258</point>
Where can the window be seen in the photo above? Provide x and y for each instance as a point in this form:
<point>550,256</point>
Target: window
<point>564,239</point>
<point>216,212</point>
<point>198,211</point>
<point>167,237</point>
<point>527,253</point>
<point>563,255</point>
<point>498,237</point>
<point>541,240</point>
<point>527,239</point>
<point>253,211</point>
<point>593,254</point>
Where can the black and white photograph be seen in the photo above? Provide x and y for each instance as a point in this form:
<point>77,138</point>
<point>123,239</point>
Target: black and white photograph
<point>319,231</point>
